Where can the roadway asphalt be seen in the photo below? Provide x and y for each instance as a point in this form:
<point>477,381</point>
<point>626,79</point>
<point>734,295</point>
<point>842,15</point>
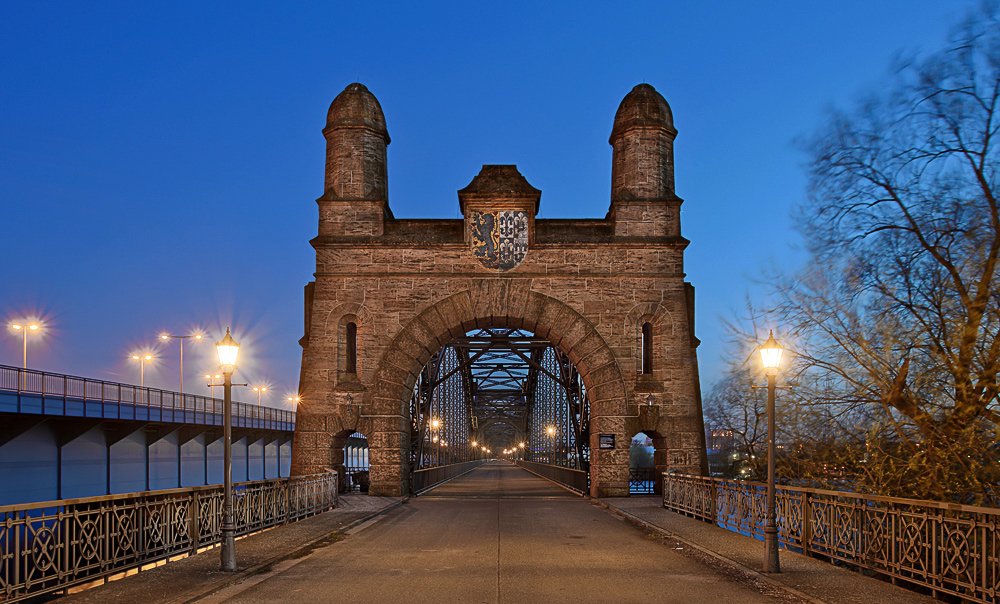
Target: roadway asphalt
<point>500,535</point>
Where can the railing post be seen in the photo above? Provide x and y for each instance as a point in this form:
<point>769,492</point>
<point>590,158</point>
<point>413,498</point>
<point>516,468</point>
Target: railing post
<point>288,499</point>
<point>714,494</point>
<point>806,524</point>
<point>195,525</point>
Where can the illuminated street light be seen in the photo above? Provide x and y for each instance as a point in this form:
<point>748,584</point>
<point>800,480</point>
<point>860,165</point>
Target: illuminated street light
<point>259,390</point>
<point>24,328</point>
<point>211,382</point>
<point>770,356</point>
<point>166,337</point>
<point>436,425</point>
<point>228,349</point>
<point>142,358</point>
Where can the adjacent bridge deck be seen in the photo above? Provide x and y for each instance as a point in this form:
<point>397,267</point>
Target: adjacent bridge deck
<point>63,436</point>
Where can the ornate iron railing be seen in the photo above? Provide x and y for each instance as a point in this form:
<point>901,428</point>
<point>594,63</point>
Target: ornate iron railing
<point>948,548</point>
<point>54,545</point>
<point>39,392</point>
<point>642,480</point>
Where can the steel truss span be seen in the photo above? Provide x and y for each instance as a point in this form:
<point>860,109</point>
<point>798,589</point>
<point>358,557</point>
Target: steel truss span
<point>499,388</point>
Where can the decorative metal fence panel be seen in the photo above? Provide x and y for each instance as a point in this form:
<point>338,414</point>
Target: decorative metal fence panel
<point>642,481</point>
<point>39,392</point>
<point>948,548</point>
<point>53,545</point>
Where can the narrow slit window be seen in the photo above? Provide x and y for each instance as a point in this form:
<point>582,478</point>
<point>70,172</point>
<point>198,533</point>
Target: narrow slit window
<point>647,348</point>
<point>352,348</point>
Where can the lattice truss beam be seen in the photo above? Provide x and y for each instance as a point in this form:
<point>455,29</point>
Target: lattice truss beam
<point>499,388</point>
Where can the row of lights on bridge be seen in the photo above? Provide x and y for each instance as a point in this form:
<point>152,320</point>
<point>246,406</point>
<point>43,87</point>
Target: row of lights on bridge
<point>228,350</point>
<point>26,327</point>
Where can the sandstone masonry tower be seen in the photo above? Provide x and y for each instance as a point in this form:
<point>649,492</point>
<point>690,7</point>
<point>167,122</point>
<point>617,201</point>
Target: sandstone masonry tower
<point>609,293</point>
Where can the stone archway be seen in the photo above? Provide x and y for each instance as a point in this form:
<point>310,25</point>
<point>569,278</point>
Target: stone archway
<point>495,303</point>
<point>389,292</point>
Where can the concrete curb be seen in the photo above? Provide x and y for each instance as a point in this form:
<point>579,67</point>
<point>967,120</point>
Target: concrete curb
<point>720,558</point>
<point>263,566</point>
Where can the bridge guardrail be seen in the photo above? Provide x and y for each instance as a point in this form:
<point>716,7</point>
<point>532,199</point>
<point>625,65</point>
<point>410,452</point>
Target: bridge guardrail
<point>428,477</point>
<point>47,393</point>
<point>948,548</point>
<point>574,479</point>
<point>49,546</point>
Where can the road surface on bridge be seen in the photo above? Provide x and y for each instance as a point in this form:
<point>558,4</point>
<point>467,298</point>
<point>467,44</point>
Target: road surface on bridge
<point>498,534</point>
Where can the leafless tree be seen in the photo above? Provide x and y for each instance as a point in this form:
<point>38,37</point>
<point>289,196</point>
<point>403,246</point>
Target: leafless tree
<point>895,321</point>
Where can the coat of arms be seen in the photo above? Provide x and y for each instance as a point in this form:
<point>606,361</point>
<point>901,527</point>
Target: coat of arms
<point>499,239</point>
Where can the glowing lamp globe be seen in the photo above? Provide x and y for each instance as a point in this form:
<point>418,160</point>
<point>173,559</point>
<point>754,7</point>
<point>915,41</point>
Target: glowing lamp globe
<point>228,350</point>
<point>770,355</point>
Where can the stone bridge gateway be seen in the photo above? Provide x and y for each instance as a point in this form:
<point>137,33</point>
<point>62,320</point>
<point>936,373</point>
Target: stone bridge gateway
<point>608,293</point>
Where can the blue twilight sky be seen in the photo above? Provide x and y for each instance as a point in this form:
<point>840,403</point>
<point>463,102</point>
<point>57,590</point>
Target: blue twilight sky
<point>159,162</point>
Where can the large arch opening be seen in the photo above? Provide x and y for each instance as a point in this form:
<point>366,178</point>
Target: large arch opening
<point>499,393</point>
<point>400,430</point>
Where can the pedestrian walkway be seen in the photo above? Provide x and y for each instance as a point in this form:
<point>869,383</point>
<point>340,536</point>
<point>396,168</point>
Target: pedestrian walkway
<point>814,580</point>
<point>193,578</point>
<point>497,534</point>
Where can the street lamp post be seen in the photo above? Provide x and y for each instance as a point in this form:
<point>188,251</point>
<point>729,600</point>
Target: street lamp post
<point>211,384</point>
<point>770,355</point>
<point>228,350</point>
<point>259,390</point>
<point>24,328</point>
<point>142,358</point>
<point>551,431</point>
<point>167,337</point>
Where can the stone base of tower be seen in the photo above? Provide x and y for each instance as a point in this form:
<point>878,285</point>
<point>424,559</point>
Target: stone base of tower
<point>389,471</point>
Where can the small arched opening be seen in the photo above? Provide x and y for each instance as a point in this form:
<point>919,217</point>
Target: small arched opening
<point>642,473</point>
<point>647,348</point>
<point>351,354</point>
<point>355,476</point>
